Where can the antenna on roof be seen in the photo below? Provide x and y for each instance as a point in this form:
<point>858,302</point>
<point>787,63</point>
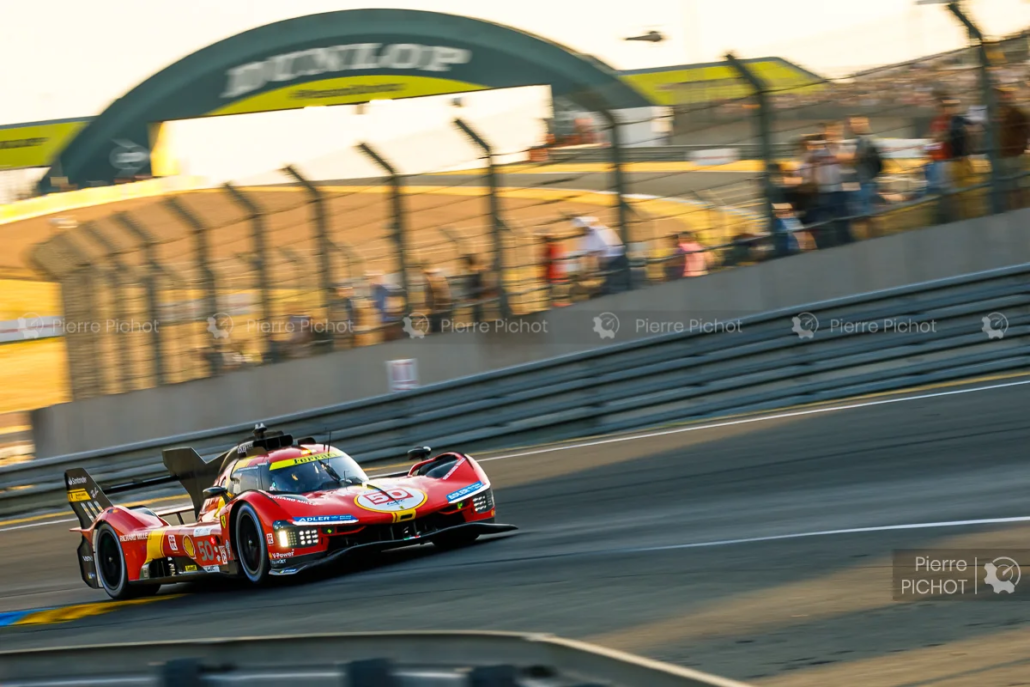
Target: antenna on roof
<point>329,441</point>
<point>259,430</point>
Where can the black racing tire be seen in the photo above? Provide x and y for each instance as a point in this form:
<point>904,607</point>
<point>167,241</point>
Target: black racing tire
<point>112,572</point>
<point>455,540</point>
<point>251,550</point>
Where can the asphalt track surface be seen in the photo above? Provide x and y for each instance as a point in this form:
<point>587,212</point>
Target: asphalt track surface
<point>679,545</point>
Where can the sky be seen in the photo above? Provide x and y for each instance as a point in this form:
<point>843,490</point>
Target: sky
<point>68,58</point>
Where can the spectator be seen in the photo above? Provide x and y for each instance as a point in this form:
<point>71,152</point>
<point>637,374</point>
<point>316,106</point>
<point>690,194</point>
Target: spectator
<point>937,181</point>
<point>959,168</point>
<point>675,264</point>
<point>868,165</point>
<point>1015,132</point>
<point>437,298</point>
<point>605,246</point>
<point>832,205</point>
<point>475,286</point>
<point>381,296</point>
<point>552,266</point>
<point>695,257</point>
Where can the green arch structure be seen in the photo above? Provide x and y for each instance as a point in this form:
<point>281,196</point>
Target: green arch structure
<point>331,59</point>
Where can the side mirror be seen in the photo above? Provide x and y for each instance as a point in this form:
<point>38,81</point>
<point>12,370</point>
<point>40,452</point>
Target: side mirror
<point>419,453</point>
<point>216,491</point>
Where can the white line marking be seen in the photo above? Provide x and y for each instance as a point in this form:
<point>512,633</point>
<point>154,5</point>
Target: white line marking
<point>826,533</point>
<point>679,430</point>
<point>747,420</point>
<point>38,524</point>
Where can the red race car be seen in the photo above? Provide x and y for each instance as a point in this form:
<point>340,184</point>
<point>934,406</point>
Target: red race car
<point>273,506</point>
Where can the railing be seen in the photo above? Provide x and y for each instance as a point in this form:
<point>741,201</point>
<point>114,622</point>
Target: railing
<point>923,333</point>
<point>380,659</point>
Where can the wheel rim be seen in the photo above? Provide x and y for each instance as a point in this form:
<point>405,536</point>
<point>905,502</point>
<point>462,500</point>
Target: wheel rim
<point>110,559</point>
<point>250,544</point>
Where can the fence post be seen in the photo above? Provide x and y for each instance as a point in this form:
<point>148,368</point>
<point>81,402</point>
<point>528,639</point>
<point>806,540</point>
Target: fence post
<point>150,284</point>
<point>991,133</point>
<point>619,178</point>
<point>260,263</point>
<point>494,205</point>
<point>207,276</point>
<point>114,278</point>
<point>72,274</point>
<point>764,133</point>
<point>399,232</point>
<point>321,217</point>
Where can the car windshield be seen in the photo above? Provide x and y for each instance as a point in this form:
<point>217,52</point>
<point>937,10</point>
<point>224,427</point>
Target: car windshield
<point>314,472</point>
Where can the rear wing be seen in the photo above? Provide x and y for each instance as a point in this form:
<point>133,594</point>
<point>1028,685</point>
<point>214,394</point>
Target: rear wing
<point>84,496</point>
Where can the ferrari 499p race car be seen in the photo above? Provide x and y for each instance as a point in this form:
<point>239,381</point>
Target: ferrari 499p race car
<point>272,506</point>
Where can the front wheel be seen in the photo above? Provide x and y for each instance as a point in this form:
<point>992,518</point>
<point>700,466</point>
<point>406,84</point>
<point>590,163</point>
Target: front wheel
<point>251,549</point>
<point>111,568</point>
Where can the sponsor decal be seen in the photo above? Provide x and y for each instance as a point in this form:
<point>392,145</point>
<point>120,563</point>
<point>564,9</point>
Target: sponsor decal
<point>87,559</point>
<point>190,568</point>
<point>290,497</point>
<point>339,58</point>
<point>211,568</point>
<point>268,537</point>
<point>457,465</point>
<point>134,536</point>
<point>300,460</point>
<point>323,520</point>
<point>171,543</point>
<point>187,546</point>
<point>225,522</point>
<point>280,556</point>
<point>223,555</point>
<point>77,496</point>
<point>466,491</point>
<point>390,500</point>
<point>203,531</point>
<point>76,480</point>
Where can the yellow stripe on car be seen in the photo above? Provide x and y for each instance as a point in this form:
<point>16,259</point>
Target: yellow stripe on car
<point>300,460</point>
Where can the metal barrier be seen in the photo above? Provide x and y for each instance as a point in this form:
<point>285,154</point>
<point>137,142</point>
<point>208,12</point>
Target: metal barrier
<point>879,341</point>
<point>379,659</point>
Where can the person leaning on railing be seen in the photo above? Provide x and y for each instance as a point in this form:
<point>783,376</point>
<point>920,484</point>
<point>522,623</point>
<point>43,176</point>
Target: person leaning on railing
<point>1014,129</point>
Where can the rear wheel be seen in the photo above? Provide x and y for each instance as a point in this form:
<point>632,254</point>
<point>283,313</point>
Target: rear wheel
<point>251,549</point>
<point>111,568</point>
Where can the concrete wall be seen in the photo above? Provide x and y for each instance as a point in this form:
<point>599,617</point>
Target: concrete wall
<point>256,394</point>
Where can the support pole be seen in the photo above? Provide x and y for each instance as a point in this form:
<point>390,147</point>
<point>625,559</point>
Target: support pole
<point>764,121</point>
<point>397,207</point>
<point>991,133</point>
<point>620,185</point>
<point>260,262</point>
<point>322,240</point>
<point>208,283</point>
<point>115,280</point>
<point>150,283</point>
<point>494,207</point>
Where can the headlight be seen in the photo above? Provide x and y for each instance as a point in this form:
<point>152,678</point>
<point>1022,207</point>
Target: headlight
<point>307,537</point>
<point>284,539</point>
<point>484,501</point>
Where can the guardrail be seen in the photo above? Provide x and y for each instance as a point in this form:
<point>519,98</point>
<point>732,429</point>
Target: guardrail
<point>765,363</point>
<point>378,659</point>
